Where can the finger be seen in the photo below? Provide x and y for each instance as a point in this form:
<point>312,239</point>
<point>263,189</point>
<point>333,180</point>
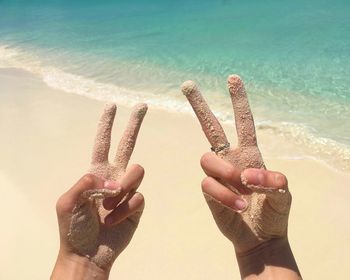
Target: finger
<point>264,178</point>
<point>125,209</point>
<point>219,168</point>
<point>87,182</point>
<point>243,116</point>
<point>69,199</point>
<point>103,136</point>
<point>130,181</point>
<point>273,184</point>
<point>219,192</point>
<point>127,143</point>
<point>210,125</point>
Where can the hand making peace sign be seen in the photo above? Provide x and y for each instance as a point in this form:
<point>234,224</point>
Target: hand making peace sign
<point>250,204</point>
<point>99,215</point>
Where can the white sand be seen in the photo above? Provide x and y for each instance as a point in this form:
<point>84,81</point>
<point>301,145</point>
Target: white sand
<point>46,141</point>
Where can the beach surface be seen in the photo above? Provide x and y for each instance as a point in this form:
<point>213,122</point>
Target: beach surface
<point>46,142</point>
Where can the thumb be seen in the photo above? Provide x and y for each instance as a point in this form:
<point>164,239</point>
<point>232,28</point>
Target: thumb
<point>69,199</point>
<point>273,184</point>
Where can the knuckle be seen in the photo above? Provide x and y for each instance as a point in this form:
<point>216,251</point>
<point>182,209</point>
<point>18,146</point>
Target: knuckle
<point>206,182</point>
<point>59,205</point>
<point>140,197</point>
<point>229,172</point>
<point>205,158</point>
<point>62,206</point>
<point>88,179</point>
<point>262,178</point>
<point>141,202</point>
<point>139,169</point>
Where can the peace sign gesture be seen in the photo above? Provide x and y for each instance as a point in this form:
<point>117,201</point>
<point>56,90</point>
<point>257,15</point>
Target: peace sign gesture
<point>250,204</point>
<point>99,215</point>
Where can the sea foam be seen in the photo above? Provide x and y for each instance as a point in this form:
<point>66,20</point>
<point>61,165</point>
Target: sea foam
<point>328,150</point>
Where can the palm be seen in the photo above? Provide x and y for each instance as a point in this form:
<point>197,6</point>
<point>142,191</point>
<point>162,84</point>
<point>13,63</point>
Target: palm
<point>89,235</point>
<point>267,214</point>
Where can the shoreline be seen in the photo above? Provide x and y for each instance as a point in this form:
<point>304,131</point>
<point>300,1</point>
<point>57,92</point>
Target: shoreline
<point>301,137</point>
<point>46,148</point>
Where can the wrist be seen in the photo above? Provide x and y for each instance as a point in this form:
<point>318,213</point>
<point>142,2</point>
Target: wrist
<point>270,260</point>
<point>71,266</point>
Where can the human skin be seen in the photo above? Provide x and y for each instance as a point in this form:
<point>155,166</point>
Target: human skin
<point>249,204</point>
<point>98,216</point>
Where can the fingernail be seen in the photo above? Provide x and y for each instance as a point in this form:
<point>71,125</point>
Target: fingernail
<point>240,204</point>
<point>110,185</point>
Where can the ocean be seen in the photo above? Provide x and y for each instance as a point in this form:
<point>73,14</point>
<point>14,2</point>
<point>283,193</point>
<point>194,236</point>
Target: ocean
<point>294,57</point>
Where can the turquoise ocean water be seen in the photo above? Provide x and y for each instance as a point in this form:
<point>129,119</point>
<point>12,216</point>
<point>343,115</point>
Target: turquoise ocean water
<point>294,57</point>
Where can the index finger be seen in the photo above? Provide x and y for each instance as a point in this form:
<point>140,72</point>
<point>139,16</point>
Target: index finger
<point>243,116</point>
<point>210,125</point>
<point>103,136</point>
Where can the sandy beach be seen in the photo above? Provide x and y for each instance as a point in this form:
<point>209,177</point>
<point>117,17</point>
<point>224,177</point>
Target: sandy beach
<point>46,141</point>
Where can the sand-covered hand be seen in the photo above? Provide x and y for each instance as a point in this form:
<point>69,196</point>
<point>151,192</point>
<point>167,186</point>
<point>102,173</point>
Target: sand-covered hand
<point>258,212</point>
<point>103,207</point>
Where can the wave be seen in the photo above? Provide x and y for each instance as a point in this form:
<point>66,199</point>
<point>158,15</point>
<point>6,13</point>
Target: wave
<point>77,84</point>
<point>328,150</point>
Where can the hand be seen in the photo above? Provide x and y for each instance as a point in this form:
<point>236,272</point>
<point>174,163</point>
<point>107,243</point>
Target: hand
<point>98,216</point>
<point>249,204</point>
<point>245,215</point>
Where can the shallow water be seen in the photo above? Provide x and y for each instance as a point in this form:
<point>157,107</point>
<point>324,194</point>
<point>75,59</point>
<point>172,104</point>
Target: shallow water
<point>292,55</point>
